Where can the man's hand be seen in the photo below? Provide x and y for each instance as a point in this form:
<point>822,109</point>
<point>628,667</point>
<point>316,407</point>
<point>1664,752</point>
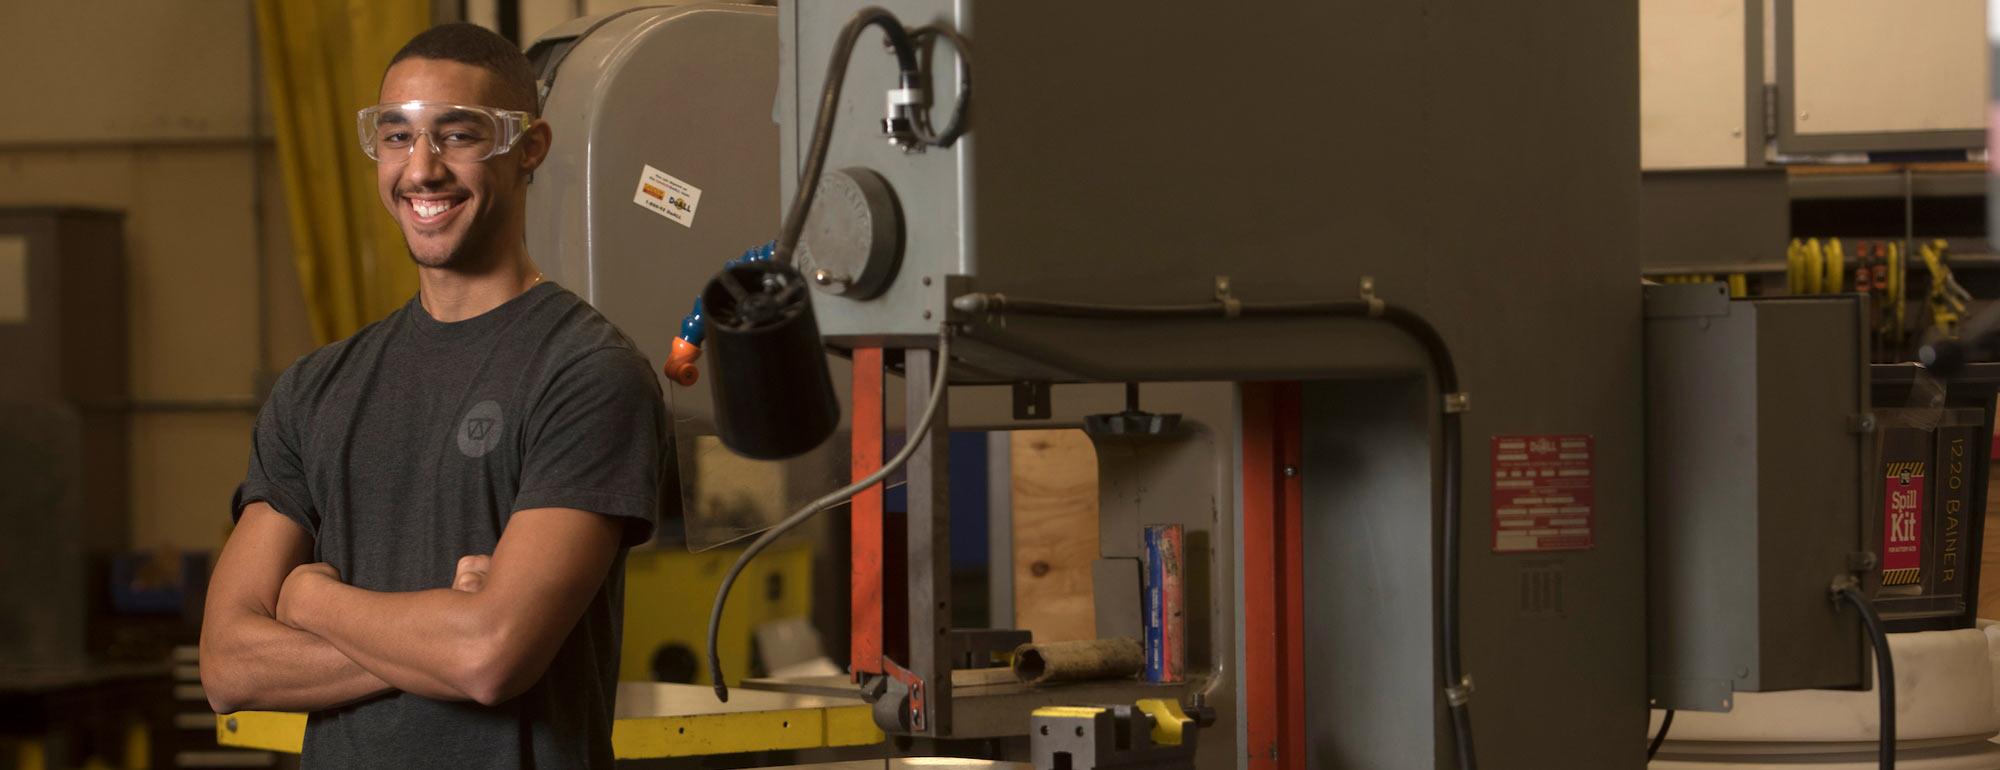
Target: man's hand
<point>297,584</point>
<point>471,577</point>
<point>249,660</point>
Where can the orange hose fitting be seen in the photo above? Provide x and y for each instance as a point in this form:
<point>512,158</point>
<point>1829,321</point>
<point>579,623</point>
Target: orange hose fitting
<point>680,363</point>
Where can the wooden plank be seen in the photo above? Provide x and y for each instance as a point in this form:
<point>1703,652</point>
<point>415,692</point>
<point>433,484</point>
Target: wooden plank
<point>1989,556</point>
<point>1851,169</point>
<point>1055,533</point>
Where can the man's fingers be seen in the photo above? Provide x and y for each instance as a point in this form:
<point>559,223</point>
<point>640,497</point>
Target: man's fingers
<point>471,573</point>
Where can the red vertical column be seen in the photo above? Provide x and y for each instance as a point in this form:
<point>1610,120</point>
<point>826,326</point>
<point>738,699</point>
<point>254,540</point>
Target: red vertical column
<point>1273,576</point>
<point>865,580</point>
<point>1291,487</point>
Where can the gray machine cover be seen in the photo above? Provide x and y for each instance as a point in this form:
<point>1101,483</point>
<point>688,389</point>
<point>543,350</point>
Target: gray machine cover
<point>678,99</point>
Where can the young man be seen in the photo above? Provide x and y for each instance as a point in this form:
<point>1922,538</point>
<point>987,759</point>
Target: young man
<point>430,541</point>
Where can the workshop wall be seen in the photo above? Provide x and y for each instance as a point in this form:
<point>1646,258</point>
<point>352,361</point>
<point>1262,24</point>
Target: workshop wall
<point>150,108</point>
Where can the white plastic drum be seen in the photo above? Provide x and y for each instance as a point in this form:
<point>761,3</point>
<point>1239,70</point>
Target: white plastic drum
<point>1945,717</point>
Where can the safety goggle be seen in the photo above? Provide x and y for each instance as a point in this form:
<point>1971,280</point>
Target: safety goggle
<point>458,133</point>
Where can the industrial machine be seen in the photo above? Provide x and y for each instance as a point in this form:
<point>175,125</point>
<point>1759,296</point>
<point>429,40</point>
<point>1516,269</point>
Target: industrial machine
<point>1378,257</point>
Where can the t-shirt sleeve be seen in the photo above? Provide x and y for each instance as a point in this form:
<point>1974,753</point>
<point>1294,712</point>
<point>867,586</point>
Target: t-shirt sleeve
<point>277,473</point>
<point>597,441</point>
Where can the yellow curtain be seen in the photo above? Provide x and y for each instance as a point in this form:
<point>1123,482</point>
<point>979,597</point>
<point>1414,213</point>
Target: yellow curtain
<point>323,60</point>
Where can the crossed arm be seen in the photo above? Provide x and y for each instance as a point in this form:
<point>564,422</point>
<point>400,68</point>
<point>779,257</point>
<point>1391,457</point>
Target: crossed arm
<point>283,634</point>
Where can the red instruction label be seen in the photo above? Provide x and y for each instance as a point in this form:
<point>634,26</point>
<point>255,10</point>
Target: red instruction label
<point>1543,493</point>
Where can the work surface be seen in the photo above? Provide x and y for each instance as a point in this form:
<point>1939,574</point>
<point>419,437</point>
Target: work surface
<point>989,703</point>
<point>656,720</point>
<point>915,763</point>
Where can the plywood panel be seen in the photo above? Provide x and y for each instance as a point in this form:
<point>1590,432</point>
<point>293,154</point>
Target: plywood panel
<point>1055,532</point>
<point>190,254</point>
<point>185,467</point>
<point>1889,65</point>
<point>288,332</point>
<point>105,178</point>
<point>1989,554</point>
<point>88,70</point>
<point>194,282</point>
<point>1692,78</point>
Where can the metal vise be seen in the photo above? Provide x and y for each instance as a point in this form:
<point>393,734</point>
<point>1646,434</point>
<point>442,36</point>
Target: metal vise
<point>1154,734</point>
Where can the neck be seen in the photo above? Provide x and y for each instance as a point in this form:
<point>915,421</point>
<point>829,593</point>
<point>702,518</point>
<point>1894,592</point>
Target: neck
<point>452,294</point>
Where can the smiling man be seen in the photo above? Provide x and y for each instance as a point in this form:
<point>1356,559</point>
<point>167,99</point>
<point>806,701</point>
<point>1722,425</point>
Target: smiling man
<point>430,541</point>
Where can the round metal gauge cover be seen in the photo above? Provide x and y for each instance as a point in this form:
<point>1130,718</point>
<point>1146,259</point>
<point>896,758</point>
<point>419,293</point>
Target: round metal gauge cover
<point>853,239</point>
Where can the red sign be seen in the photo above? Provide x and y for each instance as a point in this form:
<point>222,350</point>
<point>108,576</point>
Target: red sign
<point>1902,519</point>
<point>1543,493</point>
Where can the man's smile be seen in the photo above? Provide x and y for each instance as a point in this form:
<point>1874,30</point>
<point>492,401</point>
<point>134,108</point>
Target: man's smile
<point>432,210</point>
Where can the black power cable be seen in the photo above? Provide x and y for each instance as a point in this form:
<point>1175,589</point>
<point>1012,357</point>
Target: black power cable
<point>918,435</point>
<point>1458,686</point>
<point>1654,747</point>
<point>829,102</point>
<point>956,128</point>
<point>1885,673</point>
<point>910,80</point>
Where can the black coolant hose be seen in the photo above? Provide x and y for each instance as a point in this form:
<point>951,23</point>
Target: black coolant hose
<point>1885,674</point>
<point>1666,723</point>
<point>1452,401</point>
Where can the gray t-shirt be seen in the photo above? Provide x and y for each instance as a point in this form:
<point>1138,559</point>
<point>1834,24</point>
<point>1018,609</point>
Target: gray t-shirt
<point>410,444</point>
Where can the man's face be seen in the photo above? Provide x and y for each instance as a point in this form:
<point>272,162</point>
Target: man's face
<point>481,200</point>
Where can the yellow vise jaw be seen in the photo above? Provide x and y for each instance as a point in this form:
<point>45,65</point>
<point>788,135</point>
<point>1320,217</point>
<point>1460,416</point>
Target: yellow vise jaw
<point>1168,720</point>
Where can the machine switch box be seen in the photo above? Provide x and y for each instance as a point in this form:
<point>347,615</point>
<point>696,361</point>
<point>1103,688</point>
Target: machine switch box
<point>1759,452</point>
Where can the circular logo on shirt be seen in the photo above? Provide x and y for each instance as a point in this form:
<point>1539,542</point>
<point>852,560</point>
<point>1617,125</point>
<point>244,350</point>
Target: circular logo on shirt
<point>480,432</point>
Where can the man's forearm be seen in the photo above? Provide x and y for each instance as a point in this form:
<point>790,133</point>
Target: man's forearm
<point>434,643</point>
<point>257,663</point>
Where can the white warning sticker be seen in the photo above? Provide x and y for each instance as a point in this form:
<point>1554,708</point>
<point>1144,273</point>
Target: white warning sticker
<point>666,196</point>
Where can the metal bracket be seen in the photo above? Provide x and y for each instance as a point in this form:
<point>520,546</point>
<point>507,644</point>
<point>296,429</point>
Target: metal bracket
<point>1031,400</point>
<point>1457,403</point>
<point>977,647</point>
<point>872,686</point>
<point>1770,111</point>
<point>1461,694</point>
<point>1231,306</point>
<point>1375,304</point>
<point>913,715</point>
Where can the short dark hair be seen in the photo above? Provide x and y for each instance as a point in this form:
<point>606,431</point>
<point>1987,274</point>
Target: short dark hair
<point>480,47</point>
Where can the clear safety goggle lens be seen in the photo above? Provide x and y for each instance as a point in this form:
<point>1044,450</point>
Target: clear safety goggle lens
<point>456,132</point>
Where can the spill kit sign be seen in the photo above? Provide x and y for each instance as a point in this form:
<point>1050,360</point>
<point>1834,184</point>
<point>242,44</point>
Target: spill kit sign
<point>1544,493</point>
<point>662,194</point>
<point>1902,520</point>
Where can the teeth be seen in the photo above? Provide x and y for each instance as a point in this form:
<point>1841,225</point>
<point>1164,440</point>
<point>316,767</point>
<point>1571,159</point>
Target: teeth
<point>428,209</point>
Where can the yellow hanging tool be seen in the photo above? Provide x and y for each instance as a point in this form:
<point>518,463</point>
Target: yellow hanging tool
<point>1835,279</point>
<point>1739,286</point>
<point>1795,269</point>
<point>1897,298</point>
<point>1948,299</point>
<point>1813,269</point>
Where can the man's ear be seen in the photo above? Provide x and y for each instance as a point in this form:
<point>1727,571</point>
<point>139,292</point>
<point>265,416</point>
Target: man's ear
<point>534,146</point>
